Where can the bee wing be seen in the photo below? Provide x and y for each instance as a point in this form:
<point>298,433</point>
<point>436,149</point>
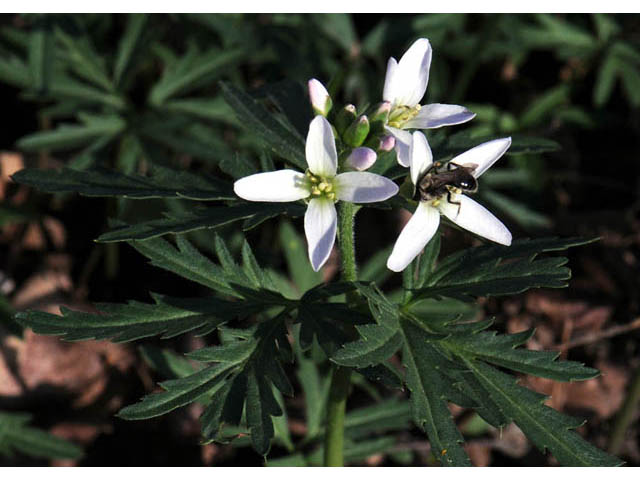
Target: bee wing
<point>470,166</point>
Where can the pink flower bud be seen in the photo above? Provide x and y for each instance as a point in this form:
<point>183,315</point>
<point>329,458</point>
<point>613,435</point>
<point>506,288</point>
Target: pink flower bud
<point>387,143</point>
<point>362,158</point>
<point>320,99</point>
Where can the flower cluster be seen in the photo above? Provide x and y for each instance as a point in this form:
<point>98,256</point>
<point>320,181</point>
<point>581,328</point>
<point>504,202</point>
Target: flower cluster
<point>336,165</point>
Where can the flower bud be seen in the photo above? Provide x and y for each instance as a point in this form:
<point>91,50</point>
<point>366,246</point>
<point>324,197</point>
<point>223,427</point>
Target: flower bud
<point>361,158</point>
<point>344,118</point>
<point>381,114</point>
<point>320,99</point>
<point>357,132</point>
<point>387,143</point>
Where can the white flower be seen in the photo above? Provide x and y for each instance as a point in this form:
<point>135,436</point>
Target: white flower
<point>404,86</point>
<point>321,186</point>
<point>469,215</point>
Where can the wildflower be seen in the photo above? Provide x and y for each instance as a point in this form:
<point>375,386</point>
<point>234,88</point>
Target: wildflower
<point>404,86</point>
<point>320,187</point>
<point>464,211</point>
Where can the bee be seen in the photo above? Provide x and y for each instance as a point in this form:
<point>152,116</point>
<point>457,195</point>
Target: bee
<point>456,179</point>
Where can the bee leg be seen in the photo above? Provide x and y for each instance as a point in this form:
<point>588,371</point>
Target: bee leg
<point>450,200</point>
<point>433,166</point>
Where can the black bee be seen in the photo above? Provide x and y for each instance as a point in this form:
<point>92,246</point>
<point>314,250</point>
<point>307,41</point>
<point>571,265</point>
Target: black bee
<point>455,179</point>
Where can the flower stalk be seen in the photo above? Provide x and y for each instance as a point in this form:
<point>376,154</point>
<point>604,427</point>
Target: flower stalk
<point>341,377</point>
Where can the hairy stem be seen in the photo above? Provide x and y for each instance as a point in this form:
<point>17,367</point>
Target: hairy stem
<point>341,377</point>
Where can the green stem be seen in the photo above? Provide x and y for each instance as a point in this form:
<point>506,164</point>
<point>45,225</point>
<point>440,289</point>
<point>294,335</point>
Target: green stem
<point>341,377</point>
<point>625,416</point>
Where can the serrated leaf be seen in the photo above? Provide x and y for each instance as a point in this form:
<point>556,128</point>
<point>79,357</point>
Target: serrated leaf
<point>185,260</point>
<point>376,342</point>
<point>544,426</point>
<point>16,436</point>
<point>210,218</point>
<point>501,350</point>
<point>428,399</point>
<point>498,270</point>
<point>168,317</point>
<point>101,182</point>
<point>258,120</point>
<point>178,392</point>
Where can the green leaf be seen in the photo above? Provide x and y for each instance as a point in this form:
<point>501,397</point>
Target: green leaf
<point>295,254</point>
<point>41,55</point>
<point>14,72</point>
<point>339,28</point>
<point>215,109</point>
<point>520,144</point>
<point>16,436</point>
<point>129,45</point>
<point>192,71</point>
<point>65,88</point>
<point>428,398</point>
<point>605,80</point>
<point>166,362</point>
<point>179,392</point>
<point>261,406</point>
<point>168,317</point>
<point>185,260</point>
<point>520,212</point>
<point>544,426</point>
<point>84,60</point>
<point>71,136</point>
<point>501,350</point>
<point>427,261</point>
<point>258,120</point>
<point>498,270</point>
<point>376,342</point>
<point>100,182</point>
<point>316,390</point>
<point>210,218</point>
<point>545,105</point>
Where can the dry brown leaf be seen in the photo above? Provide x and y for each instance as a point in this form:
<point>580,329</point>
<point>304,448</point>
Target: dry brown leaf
<point>10,163</point>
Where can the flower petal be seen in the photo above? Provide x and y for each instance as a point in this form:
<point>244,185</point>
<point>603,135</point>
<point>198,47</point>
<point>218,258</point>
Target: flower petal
<point>364,187</point>
<point>320,229</point>
<point>362,158</point>
<point>411,76</point>
<point>320,148</point>
<point>278,186</point>
<point>477,219</point>
<point>388,93</point>
<point>403,141</point>
<point>484,155</point>
<point>437,115</point>
<point>414,236</point>
<point>421,156</point>
<point>320,99</point>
